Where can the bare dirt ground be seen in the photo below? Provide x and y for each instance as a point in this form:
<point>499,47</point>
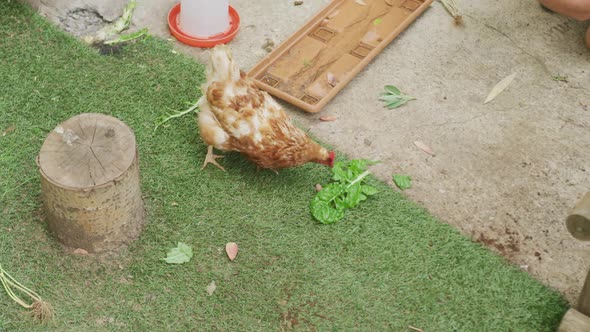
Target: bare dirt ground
<point>506,173</point>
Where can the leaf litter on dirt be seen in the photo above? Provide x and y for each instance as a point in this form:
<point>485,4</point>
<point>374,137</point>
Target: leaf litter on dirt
<point>394,98</point>
<point>424,148</point>
<point>403,182</point>
<point>500,87</point>
<point>453,10</point>
<point>328,118</point>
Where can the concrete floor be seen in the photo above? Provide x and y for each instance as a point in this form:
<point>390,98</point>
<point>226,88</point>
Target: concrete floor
<point>506,173</point>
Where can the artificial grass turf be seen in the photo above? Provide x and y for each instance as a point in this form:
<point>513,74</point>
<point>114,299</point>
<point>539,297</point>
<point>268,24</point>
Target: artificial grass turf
<point>388,265</point>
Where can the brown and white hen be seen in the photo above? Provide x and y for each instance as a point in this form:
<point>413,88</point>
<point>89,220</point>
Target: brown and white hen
<point>237,116</point>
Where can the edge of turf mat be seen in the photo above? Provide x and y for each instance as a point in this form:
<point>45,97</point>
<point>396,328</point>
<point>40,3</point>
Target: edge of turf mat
<point>387,265</point>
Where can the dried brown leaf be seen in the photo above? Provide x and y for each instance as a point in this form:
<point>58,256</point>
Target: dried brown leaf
<point>81,252</point>
<point>231,249</point>
<point>501,86</point>
<point>424,147</point>
<point>328,118</point>
<point>211,288</point>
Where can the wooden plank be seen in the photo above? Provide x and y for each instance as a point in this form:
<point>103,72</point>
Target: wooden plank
<point>296,70</point>
<point>574,321</point>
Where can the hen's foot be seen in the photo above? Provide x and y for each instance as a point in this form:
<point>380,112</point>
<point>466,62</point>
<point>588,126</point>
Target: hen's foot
<point>210,159</point>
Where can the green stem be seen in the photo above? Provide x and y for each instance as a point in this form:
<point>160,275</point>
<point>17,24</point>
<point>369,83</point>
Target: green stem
<point>357,180</point>
<point>177,115</point>
<point>8,282</point>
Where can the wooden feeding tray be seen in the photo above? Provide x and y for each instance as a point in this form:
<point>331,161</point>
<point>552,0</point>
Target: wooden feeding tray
<point>318,60</point>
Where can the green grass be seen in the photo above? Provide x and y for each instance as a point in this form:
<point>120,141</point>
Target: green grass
<point>388,265</point>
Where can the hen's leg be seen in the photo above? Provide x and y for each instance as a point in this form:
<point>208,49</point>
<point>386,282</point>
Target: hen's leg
<point>258,170</point>
<point>210,159</point>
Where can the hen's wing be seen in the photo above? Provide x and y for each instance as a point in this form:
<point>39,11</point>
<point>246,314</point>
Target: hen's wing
<point>255,123</point>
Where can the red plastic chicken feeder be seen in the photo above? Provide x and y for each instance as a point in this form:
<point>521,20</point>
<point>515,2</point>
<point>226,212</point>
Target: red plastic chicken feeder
<point>203,23</point>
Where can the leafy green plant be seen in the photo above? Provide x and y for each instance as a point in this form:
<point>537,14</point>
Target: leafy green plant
<point>345,192</point>
<point>394,98</point>
<point>181,254</point>
<point>403,182</point>
<point>560,78</point>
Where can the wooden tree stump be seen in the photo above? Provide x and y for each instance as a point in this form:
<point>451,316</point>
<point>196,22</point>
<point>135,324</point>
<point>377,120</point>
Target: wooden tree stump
<point>90,183</point>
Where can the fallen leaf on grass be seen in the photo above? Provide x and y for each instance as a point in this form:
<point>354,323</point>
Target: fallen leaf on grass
<point>424,148</point>
<point>232,250</point>
<point>318,187</point>
<point>8,130</point>
<point>501,86</point>
<point>211,288</point>
<point>361,2</point>
<point>81,252</point>
<point>328,118</point>
<point>181,254</point>
<point>403,182</point>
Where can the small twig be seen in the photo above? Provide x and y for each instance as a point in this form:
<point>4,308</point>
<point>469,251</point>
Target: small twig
<point>415,329</point>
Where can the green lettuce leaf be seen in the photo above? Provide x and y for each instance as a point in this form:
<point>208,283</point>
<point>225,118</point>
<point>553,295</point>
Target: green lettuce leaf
<point>181,254</point>
<point>403,182</point>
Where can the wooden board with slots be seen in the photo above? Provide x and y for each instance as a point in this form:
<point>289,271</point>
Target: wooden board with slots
<point>318,60</point>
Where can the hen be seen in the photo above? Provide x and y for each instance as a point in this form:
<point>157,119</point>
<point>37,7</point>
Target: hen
<point>236,116</point>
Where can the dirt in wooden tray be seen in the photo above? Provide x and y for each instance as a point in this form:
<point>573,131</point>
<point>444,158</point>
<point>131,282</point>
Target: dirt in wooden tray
<point>324,55</point>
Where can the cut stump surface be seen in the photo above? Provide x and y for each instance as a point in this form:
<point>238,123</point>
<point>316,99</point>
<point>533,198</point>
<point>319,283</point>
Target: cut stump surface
<point>90,183</point>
